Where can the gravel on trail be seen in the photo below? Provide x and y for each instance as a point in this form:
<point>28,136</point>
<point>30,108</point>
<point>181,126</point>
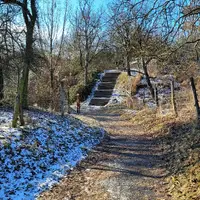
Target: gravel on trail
<point>127,165</point>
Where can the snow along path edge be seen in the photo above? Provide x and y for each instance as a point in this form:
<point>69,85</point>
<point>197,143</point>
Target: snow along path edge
<point>37,156</point>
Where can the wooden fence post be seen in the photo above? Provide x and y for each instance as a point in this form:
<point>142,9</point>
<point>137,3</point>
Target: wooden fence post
<point>173,100</point>
<point>195,99</point>
<point>156,96</point>
<point>62,97</point>
<point>68,106</point>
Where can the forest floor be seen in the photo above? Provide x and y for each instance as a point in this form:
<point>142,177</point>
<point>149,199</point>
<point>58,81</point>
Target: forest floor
<point>127,165</point>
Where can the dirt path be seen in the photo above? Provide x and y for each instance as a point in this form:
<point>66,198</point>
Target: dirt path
<point>125,167</point>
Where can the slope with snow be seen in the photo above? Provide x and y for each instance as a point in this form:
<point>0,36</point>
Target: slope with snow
<point>36,156</point>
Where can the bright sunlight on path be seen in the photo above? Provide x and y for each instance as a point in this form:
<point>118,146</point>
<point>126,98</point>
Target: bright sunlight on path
<point>125,166</point>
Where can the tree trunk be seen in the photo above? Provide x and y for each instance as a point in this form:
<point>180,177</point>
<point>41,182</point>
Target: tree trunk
<point>52,79</point>
<point>197,53</point>
<point>22,99</point>
<point>81,58</point>
<point>68,106</point>
<point>52,88</point>
<point>18,112</point>
<point>195,99</point>
<point>24,88</point>
<point>128,64</point>
<point>85,76</point>
<point>87,57</point>
<point>144,65</point>
<point>86,69</point>
<point>1,84</point>
<point>30,17</point>
<point>62,99</point>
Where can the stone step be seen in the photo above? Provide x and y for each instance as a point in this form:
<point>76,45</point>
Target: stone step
<point>106,86</point>
<point>116,74</point>
<point>99,101</point>
<point>109,79</point>
<point>103,93</point>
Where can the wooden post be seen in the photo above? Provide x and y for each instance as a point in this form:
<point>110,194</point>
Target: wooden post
<point>62,98</point>
<point>156,95</point>
<point>173,100</point>
<point>78,103</point>
<point>68,106</point>
<point>195,99</point>
<point>143,99</point>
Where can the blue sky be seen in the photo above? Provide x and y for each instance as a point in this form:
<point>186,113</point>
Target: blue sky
<point>97,3</point>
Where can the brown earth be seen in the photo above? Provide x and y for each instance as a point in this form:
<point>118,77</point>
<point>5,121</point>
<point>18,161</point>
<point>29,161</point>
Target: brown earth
<point>127,165</point>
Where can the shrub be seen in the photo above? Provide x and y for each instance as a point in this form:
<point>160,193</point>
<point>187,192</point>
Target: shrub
<point>81,89</point>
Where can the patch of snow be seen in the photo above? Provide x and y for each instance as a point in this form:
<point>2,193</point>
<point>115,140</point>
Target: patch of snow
<point>130,111</point>
<point>116,98</point>
<point>111,71</point>
<point>134,73</point>
<point>36,156</point>
<point>143,81</point>
<point>87,101</point>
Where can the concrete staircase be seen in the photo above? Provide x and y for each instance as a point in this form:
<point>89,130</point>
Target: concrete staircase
<point>105,88</point>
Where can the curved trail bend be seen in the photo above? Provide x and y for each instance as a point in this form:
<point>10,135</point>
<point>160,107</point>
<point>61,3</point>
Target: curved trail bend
<point>126,166</point>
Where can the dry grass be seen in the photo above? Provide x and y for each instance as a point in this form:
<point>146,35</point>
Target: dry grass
<point>180,141</point>
<point>134,84</point>
<point>133,103</point>
<point>183,162</point>
<point>185,186</point>
<point>122,82</point>
<point>128,86</point>
<point>153,122</point>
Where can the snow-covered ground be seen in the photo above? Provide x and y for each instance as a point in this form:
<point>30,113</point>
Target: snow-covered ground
<point>36,156</point>
<point>85,105</point>
<point>117,98</point>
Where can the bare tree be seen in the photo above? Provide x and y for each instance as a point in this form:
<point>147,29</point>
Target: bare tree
<point>1,61</point>
<point>9,40</point>
<point>121,30</point>
<point>136,28</point>
<point>4,49</point>
<point>53,21</point>
<point>29,12</point>
<point>87,34</point>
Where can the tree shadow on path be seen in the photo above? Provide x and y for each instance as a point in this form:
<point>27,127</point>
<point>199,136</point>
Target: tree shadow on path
<point>130,158</point>
<point>137,157</point>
